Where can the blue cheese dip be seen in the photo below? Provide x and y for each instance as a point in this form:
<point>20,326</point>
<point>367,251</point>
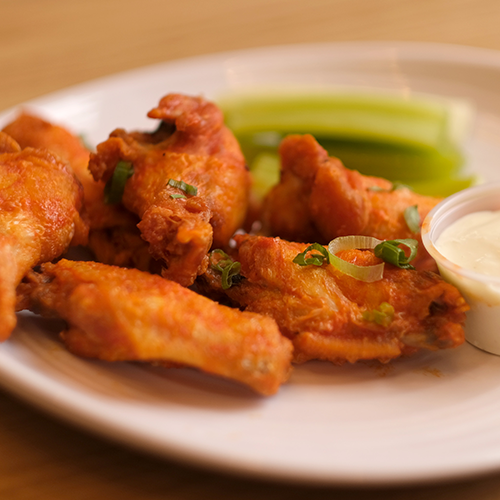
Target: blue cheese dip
<point>473,242</point>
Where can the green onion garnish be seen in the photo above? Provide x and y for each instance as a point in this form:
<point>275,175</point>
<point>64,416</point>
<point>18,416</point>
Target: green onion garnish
<point>114,188</point>
<point>367,274</point>
<point>383,315</point>
<point>177,196</point>
<point>183,186</point>
<point>389,251</point>
<point>229,269</point>
<point>394,187</point>
<point>412,218</point>
<point>314,259</point>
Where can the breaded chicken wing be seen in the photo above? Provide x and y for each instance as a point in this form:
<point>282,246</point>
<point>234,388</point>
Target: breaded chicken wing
<point>114,237</point>
<point>331,316</point>
<point>117,314</point>
<point>29,130</point>
<point>319,199</point>
<point>189,184</point>
<point>41,215</point>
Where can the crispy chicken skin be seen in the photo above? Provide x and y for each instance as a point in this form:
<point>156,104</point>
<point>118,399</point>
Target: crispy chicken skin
<point>117,314</point>
<point>114,237</point>
<point>319,199</point>
<point>191,145</point>
<point>32,131</point>
<point>41,215</point>
<point>331,316</point>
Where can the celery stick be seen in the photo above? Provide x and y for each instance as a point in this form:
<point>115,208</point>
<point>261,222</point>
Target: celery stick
<point>444,187</point>
<point>413,140</point>
<point>415,121</point>
<point>265,171</point>
<point>393,162</point>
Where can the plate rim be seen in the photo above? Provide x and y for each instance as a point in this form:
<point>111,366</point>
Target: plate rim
<point>460,53</point>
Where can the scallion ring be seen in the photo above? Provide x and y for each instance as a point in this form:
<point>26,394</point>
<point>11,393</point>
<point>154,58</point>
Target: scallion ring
<point>114,188</point>
<point>367,274</point>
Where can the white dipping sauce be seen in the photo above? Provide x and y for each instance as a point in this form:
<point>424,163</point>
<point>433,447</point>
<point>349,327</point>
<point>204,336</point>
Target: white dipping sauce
<point>473,242</point>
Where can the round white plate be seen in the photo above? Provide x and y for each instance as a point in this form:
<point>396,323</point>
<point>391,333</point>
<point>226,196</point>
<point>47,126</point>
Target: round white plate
<point>434,416</point>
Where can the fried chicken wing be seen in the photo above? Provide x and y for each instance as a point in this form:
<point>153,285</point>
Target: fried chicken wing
<point>191,146</point>
<point>319,199</point>
<point>117,314</point>
<point>114,237</point>
<point>332,316</point>
<point>41,215</point>
<point>29,130</point>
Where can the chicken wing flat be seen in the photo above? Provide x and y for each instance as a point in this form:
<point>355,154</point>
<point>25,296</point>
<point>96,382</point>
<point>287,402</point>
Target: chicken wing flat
<point>190,149</point>
<point>332,316</point>
<point>118,314</point>
<point>114,237</point>
<point>319,199</point>
<point>41,215</point>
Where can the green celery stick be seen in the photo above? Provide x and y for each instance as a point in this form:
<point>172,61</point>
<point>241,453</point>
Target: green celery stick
<point>415,141</point>
<point>412,121</point>
<point>265,172</point>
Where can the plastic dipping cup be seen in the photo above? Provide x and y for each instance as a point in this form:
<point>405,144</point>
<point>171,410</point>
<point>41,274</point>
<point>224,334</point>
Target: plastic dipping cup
<point>482,292</point>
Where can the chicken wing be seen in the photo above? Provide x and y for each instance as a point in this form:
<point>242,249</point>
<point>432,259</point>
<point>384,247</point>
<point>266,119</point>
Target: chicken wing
<point>114,237</point>
<point>319,199</point>
<point>41,215</point>
<point>190,149</point>
<point>29,130</point>
<point>331,316</point>
<point>117,314</point>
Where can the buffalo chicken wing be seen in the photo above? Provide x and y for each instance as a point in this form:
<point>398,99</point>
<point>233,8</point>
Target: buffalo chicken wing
<point>319,199</point>
<point>113,237</point>
<point>117,314</point>
<point>41,215</point>
<point>191,149</point>
<point>333,316</point>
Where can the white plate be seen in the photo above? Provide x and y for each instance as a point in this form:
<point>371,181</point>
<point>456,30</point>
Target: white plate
<point>435,416</point>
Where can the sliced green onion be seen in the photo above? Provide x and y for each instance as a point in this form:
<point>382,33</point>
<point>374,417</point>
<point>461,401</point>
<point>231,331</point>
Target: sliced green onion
<point>383,315</point>
<point>412,218</point>
<point>183,186</point>
<point>229,269</point>
<point>314,259</point>
<point>177,196</point>
<point>394,187</point>
<point>114,188</point>
<point>389,251</point>
<point>367,274</point>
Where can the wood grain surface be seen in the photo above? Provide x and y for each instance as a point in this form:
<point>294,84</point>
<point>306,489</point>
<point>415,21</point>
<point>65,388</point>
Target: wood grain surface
<point>46,45</point>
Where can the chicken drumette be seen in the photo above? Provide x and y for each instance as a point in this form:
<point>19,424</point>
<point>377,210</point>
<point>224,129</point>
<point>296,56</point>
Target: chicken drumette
<point>189,184</point>
<point>319,199</point>
<point>41,215</point>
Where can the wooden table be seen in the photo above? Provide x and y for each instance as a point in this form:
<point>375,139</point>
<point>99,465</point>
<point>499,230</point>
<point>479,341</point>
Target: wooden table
<point>50,44</point>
